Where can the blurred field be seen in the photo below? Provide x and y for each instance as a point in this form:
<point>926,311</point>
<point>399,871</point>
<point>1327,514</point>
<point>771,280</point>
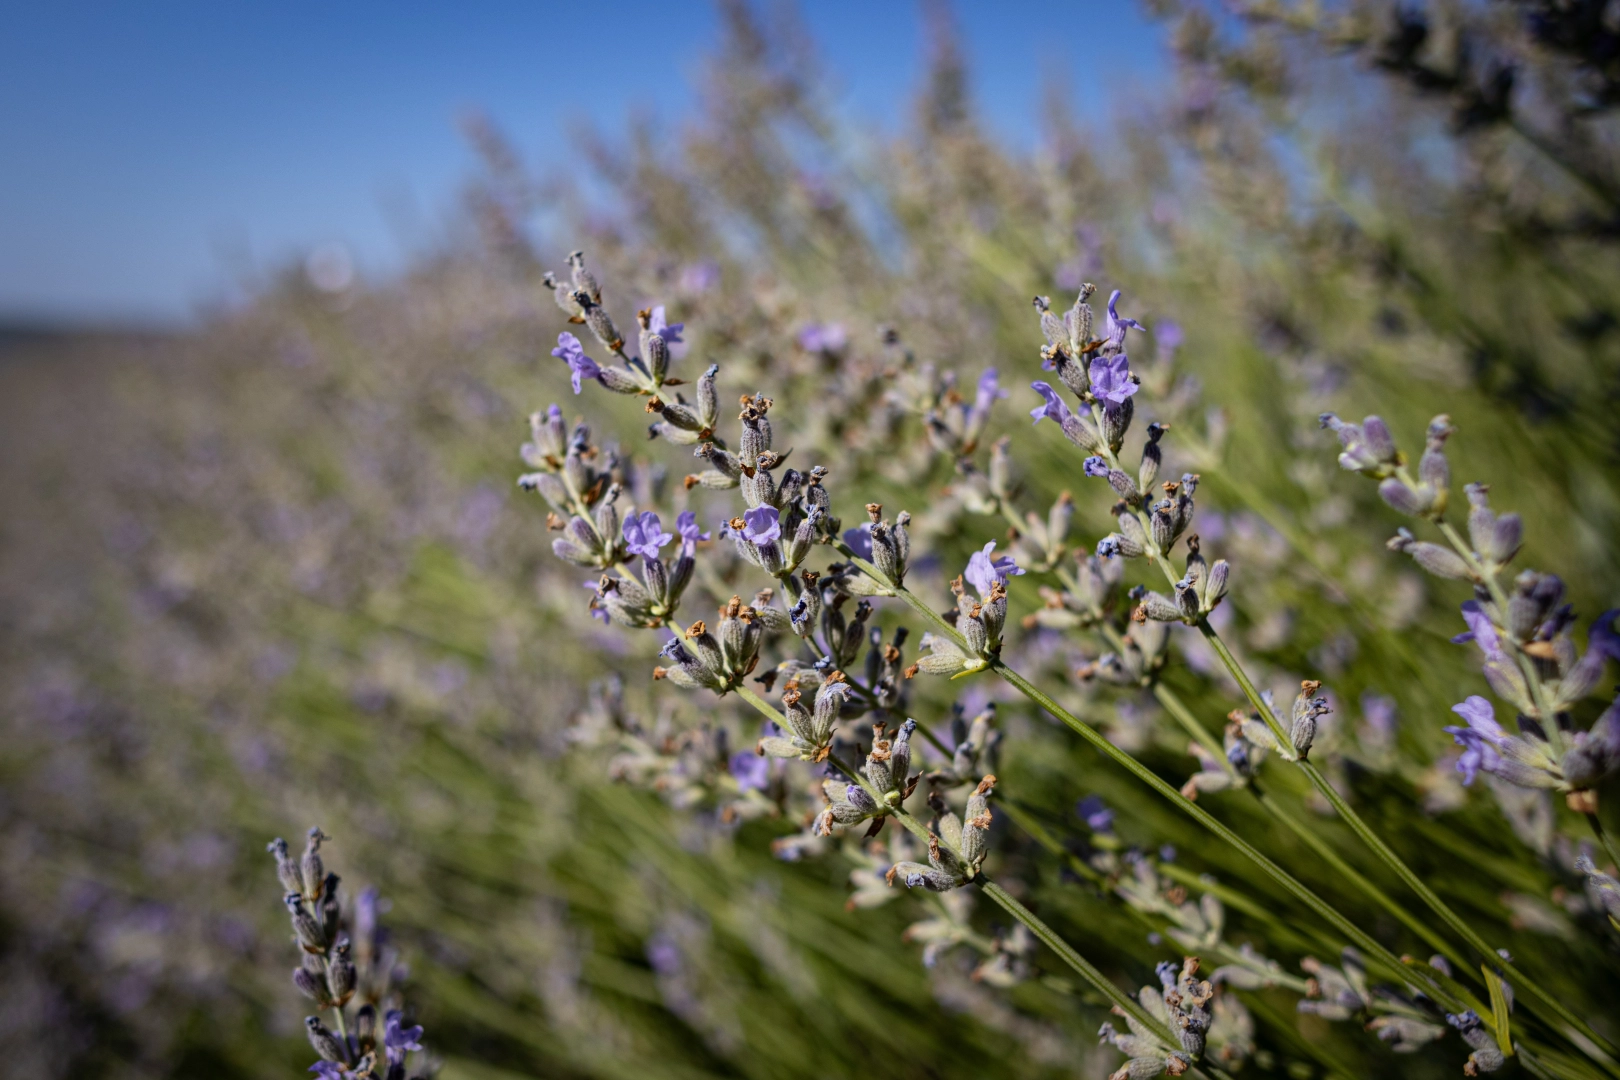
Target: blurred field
<point>276,572</point>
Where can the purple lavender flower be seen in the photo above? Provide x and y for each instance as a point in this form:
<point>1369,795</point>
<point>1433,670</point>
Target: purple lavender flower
<point>1481,631</point>
<point>1054,409</point>
<point>1111,378</point>
<point>984,570</point>
<point>762,525</point>
<point>398,1040</point>
<point>1170,338</point>
<point>1095,466</point>
<point>331,1070</point>
<point>686,524</point>
<point>1095,813</point>
<point>989,390</point>
<point>597,610</point>
<point>751,771</point>
<point>700,277</point>
<point>823,337</point>
<point>670,332</point>
<point>1114,327</point>
<point>644,534</point>
<point>860,540</point>
<point>1479,739</point>
<point>573,353</point>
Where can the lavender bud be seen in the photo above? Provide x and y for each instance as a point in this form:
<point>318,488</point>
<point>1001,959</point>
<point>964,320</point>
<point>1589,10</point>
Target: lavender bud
<point>1116,422</point>
<point>976,825</point>
<point>314,874</point>
<point>756,428</point>
<point>331,910</point>
<point>608,523</point>
<point>597,318</point>
<point>1405,500</point>
<point>916,875</point>
<point>340,974</point>
<point>1124,486</point>
<point>878,766</point>
<point>1505,539</point>
<point>1158,607</point>
<point>900,755</point>
<point>304,924</point>
<point>1162,521</point>
<point>286,870</point>
<point>1082,433</point>
<point>1152,457</point>
<point>884,554</point>
<point>619,380</point>
<point>902,545</point>
<point>1215,586</point>
<point>1187,600</point>
<point>655,354</point>
<point>708,403</point>
<point>972,630</point>
<point>365,1028</point>
<point>325,1043</point>
<point>583,279</point>
<point>830,700</point>
<point>1072,373</point>
<point>310,986</point>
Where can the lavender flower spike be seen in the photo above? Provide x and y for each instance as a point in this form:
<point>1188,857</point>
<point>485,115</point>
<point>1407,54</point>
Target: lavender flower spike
<point>984,570</point>
<point>762,525</point>
<point>644,534</point>
<point>686,524</point>
<point>1111,378</point>
<point>573,353</point>
<point>1054,409</point>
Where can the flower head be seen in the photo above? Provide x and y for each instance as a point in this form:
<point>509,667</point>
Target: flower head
<point>1481,631</point>
<point>751,771</point>
<point>1479,739</point>
<point>573,353</point>
<point>989,390</point>
<point>762,525</point>
<point>1054,409</point>
<point>686,524</point>
<point>670,332</point>
<point>824,338</point>
<point>644,534</point>
<point>1111,378</point>
<point>1114,327</point>
<point>860,540</point>
<point>1095,466</point>
<point>985,570</point>
<point>398,1039</point>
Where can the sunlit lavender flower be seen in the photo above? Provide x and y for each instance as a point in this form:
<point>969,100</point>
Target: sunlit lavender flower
<point>1479,739</point>
<point>823,338</point>
<point>750,770</point>
<point>1114,327</point>
<point>989,390</point>
<point>670,332</point>
<point>985,570</point>
<point>1111,378</point>
<point>644,534</point>
<point>686,524</point>
<point>762,525</point>
<point>1481,631</point>
<point>1170,338</point>
<point>573,353</point>
<point>860,540</point>
<point>1054,409</point>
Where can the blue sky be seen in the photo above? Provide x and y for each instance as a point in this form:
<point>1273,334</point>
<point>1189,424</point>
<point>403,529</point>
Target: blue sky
<point>156,153</point>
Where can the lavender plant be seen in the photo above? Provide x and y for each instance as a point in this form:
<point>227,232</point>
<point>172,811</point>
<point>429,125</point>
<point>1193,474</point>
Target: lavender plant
<point>347,967</point>
<point>785,519</point>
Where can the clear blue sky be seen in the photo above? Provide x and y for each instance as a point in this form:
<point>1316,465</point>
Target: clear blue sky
<point>153,152</point>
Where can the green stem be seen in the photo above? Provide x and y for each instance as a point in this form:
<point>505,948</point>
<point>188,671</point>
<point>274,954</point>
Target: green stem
<point>1393,861</point>
<point>1603,838</point>
<point>1008,902</point>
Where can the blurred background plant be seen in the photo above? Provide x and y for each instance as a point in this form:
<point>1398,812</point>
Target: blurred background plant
<point>289,580</point>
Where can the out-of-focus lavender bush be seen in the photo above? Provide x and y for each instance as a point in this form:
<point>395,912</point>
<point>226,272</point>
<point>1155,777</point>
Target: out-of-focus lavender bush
<point>277,572</point>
